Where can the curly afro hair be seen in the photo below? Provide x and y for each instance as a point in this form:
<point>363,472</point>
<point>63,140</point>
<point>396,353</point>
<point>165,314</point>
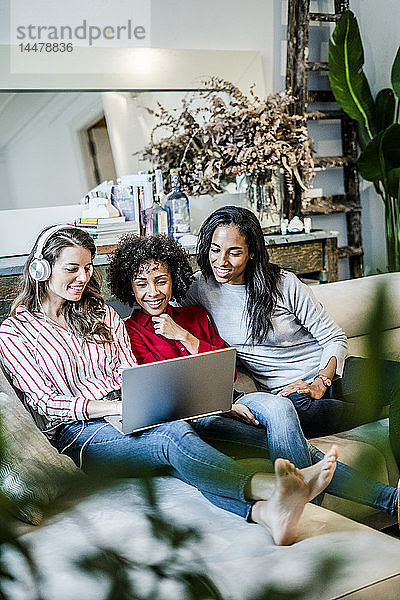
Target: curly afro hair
<point>133,252</point>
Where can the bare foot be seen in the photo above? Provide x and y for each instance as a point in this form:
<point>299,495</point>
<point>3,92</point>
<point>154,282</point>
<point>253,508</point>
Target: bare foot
<point>318,476</point>
<point>293,489</point>
<point>281,513</point>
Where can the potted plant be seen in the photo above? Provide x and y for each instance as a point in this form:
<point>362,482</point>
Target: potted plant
<point>377,123</point>
<point>231,135</point>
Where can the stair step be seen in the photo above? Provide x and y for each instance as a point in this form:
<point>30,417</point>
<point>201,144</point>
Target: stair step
<point>316,115</point>
<point>317,66</point>
<point>348,251</point>
<point>327,205</point>
<point>320,96</point>
<point>325,17</point>
<point>331,162</point>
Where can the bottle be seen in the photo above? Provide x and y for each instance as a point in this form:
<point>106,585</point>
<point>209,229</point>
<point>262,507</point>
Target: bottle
<point>160,217</point>
<point>307,224</point>
<point>145,190</point>
<point>177,206</point>
<point>284,226</point>
<point>102,205</point>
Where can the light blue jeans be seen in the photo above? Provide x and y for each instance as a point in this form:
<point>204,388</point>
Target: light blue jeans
<point>198,452</point>
<point>172,447</point>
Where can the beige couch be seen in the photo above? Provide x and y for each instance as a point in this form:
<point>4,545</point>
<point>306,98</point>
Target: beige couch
<point>350,303</point>
<point>240,557</point>
<point>366,447</point>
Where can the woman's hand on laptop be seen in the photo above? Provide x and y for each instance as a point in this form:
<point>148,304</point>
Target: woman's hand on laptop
<point>241,412</point>
<point>166,326</point>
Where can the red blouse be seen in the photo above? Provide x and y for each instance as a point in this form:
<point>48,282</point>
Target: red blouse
<point>149,346</point>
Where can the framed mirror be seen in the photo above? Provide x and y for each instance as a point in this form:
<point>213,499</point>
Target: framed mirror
<point>58,140</point>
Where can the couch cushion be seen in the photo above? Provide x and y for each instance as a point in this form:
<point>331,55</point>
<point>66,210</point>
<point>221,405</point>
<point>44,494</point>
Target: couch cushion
<point>238,556</point>
<point>348,302</point>
<point>391,344</point>
<point>376,435</point>
<point>29,463</point>
<point>367,449</point>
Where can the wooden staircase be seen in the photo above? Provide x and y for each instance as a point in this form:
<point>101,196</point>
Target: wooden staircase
<point>297,79</point>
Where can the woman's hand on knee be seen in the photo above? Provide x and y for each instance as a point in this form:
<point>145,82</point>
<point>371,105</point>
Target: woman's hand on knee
<point>241,412</point>
<point>314,389</point>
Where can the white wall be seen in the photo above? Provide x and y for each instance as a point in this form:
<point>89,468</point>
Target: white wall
<point>217,25</point>
<point>130,124</point>
<point>44,161</point>
<point>20,228</point>
<point>5,183</point>
<point>201,24</point>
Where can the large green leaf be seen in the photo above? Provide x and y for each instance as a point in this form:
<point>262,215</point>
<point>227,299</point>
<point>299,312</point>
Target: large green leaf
<point>385,106</point>
<point>391,147</point>
<point>393,181</point>
<point>396,74</point>
<point>380,157</point>
<point>362,136</point>
<point>349,84</point>
<point>368,162</point>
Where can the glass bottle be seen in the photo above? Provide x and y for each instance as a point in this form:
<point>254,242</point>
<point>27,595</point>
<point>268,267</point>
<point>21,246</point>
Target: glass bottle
<point>177,207</point>
<point>145,191</point>
<point>160,217</point>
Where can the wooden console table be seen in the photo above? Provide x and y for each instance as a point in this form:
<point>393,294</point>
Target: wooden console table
<point>312,256</point>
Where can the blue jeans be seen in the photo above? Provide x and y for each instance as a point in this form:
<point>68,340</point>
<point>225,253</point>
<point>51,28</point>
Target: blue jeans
<point>348,402</point>
<point>280,434</point>
<point>196,453</point>
<point>174,447</point>
<point>281,424</point>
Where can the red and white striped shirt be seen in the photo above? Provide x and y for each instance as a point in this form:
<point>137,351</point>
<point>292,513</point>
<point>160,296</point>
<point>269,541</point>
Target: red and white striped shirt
<point>57,371</point>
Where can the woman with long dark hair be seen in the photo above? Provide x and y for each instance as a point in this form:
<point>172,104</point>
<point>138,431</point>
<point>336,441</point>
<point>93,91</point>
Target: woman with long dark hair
<point>282,334</point>
<point>148,273</point>
<point>65,349</point>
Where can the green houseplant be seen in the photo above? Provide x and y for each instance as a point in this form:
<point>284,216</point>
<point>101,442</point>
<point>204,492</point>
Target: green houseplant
<point>377,122</point>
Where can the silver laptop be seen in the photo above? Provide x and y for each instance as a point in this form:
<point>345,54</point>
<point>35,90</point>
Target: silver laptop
<point>180,388</point>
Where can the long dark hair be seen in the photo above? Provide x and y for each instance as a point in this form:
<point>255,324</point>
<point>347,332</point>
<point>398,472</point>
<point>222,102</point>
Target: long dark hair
<point>261,277</point>
<point>86,316</point>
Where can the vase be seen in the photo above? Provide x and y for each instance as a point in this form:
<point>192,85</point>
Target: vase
<point>265,203</point>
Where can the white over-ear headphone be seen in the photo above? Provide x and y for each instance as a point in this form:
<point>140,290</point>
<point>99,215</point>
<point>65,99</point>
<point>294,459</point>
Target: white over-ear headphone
<point>39,268</point>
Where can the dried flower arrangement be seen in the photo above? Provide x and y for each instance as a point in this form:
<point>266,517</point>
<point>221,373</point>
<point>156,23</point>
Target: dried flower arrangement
<point>244,135</point>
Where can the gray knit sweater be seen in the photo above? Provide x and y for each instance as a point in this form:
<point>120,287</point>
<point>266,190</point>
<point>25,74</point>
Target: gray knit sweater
<point>303,339</point>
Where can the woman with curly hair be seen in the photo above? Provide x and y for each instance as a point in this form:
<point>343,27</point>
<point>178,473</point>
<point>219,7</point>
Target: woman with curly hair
<point>65,350</point>
<point>151,271</point>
